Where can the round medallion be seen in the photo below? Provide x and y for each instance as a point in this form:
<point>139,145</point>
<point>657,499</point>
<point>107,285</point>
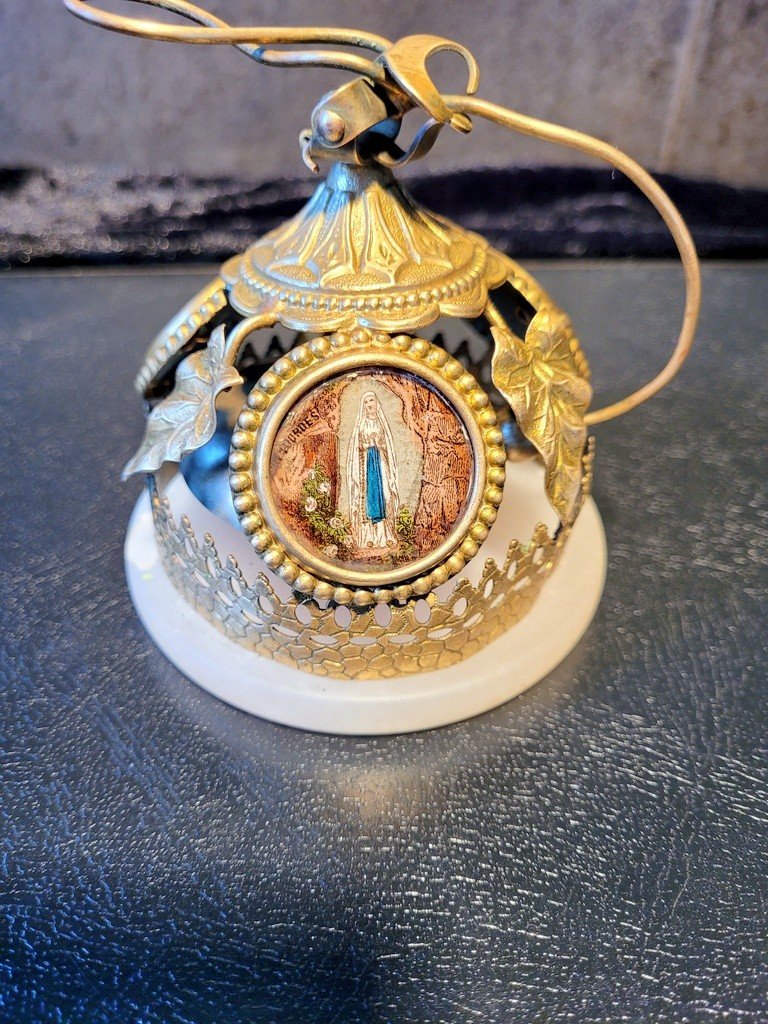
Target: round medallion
<point>367,468</point>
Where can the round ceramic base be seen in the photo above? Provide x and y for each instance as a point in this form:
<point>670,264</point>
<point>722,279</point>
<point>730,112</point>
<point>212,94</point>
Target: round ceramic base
<point>512,663</point>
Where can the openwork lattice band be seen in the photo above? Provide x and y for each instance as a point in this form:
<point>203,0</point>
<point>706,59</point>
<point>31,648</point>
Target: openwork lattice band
<point>357,643</point>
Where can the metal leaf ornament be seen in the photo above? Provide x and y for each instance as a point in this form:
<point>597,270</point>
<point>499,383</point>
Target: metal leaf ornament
<point>186,419</point>
<point>549,395</point>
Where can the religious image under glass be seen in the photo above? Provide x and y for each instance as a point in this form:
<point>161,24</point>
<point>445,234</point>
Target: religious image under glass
<point>372,468</point>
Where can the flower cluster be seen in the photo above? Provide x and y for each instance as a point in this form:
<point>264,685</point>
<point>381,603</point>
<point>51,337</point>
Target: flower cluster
<point>404,527</point>
<point>329,527</point>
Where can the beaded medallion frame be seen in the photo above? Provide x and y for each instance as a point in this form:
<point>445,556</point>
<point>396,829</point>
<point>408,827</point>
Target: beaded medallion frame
<point>280,390</point>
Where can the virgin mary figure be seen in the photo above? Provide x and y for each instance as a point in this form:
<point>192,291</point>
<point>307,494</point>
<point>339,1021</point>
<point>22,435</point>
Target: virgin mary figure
<point>372,476</point>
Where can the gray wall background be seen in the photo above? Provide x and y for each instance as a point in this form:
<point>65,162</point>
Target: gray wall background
<point>680,84</point>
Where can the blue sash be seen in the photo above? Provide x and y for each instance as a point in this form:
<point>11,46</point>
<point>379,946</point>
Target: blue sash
<point>375,505</point>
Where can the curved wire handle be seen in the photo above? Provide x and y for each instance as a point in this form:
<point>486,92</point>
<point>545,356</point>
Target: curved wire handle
<point>213,31</point>
<point>657,196</point>
<point>409,77</point>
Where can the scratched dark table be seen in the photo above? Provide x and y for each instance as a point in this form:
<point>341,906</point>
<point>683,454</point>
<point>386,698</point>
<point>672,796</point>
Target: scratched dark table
<point>595,851</point>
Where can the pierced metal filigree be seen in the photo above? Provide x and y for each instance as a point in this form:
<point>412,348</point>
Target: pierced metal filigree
<point>346,643</point>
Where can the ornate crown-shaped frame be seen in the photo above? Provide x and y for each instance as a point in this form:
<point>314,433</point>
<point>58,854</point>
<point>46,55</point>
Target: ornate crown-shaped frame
<point>530,349</point>
<point>362,259</point>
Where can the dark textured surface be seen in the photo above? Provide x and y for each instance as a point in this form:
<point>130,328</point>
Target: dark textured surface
<point>74,216</point>
<point>594,852</point>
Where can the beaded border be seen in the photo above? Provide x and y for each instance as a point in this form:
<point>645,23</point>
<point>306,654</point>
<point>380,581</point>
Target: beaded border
<point>414,354</point>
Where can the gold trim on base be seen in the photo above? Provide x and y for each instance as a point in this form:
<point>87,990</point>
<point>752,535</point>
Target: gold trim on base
<point>349,643</point>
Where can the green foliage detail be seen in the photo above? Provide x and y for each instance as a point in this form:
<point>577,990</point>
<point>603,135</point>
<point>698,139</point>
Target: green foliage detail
<point>404,527</point>
<point>329,527</point>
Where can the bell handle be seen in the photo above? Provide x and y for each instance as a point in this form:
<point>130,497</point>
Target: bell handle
<point>252,41</point>
<point>471,105</point>
<point>407,55</point>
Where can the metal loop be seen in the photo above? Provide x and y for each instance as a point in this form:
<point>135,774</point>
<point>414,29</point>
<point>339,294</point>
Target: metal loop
<point>658,197</point>
<point>406,61</point>
<point>213,31</point>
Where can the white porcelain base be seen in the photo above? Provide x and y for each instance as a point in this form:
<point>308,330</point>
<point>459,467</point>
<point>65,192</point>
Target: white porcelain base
<point>509,665</point>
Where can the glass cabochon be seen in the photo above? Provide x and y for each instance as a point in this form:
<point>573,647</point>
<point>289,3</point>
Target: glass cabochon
<point>372,468</point>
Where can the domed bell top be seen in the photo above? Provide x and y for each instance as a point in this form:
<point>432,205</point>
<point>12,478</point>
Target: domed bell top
<point>363,252</point>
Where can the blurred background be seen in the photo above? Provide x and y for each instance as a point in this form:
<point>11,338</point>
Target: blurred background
<point>113,148</point>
